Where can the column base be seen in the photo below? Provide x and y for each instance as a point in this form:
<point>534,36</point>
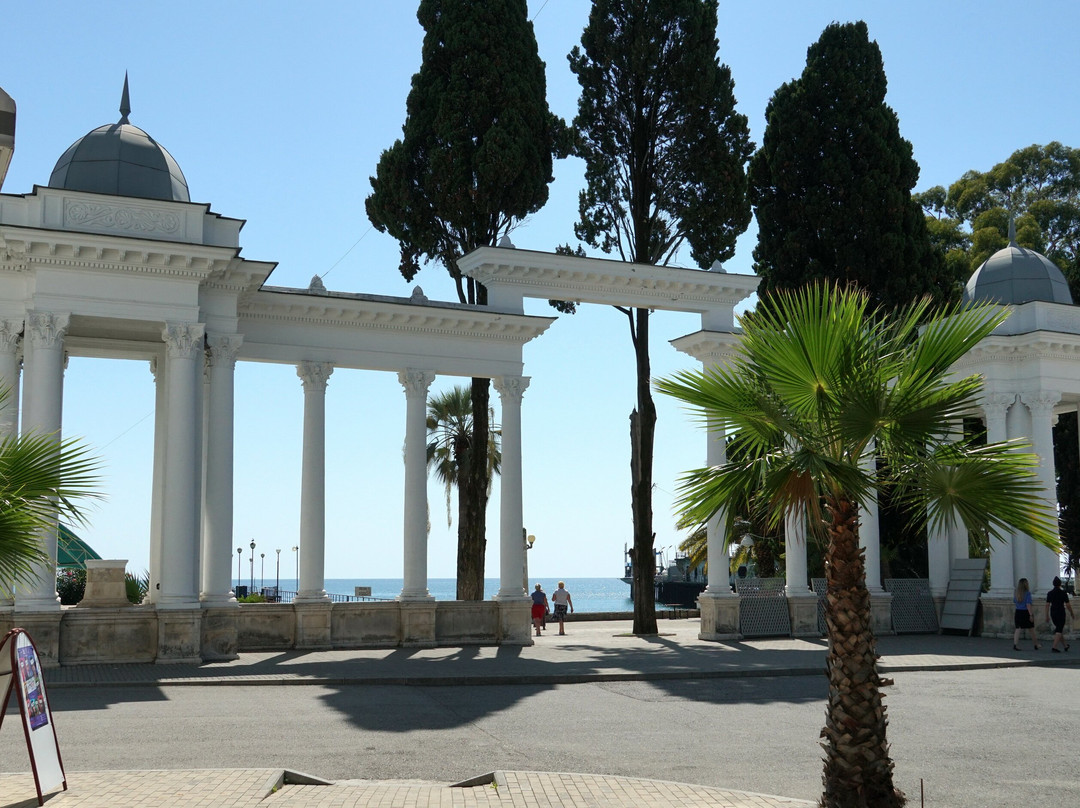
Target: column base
<point>997,616</point>
<point>313,624</point>
<point>719,617</point>
<point>312,596</point>
<point>218,601</point>
<point>220,629</point>
<point>515,622</point>
<point>179,635</point>
<point>802,609</point>
<point>417,623</point>
<point>881,613</point>
<point>44,629</point>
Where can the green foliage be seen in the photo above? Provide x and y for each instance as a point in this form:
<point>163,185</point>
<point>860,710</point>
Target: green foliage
<point>1039,186</point>
<point>41,480</point>
<point>478,141</point>
<point>665,152</point>
<point>253,598</point>
<point>137,587</point>
<point>70,585</point>
<point>450,439</point>
<point>831,184</point>
<point>823,372</point>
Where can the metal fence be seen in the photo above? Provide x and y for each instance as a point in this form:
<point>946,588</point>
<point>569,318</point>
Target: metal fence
<point>763,607</point>
<point>913,610</point>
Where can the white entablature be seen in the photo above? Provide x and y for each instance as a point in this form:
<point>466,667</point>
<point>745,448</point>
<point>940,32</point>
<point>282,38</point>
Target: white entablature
<point>511,275</point>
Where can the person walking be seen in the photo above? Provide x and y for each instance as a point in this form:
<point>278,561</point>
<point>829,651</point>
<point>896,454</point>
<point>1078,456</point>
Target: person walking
<point>1057,601</point>
<point>562,600</point>
<point>539,607</point>
<point>1024,617</point>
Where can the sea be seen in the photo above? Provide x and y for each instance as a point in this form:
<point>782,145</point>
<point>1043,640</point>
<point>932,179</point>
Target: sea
<point>589,594</point>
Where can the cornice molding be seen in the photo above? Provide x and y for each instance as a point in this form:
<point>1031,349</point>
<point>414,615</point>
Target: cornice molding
<point>1039,345</point>
<point>400,317</point>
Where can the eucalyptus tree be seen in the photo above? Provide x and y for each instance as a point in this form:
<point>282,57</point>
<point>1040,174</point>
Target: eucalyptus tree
<point>475,157</point>
<point>665,155</point>
<point>819,380</point>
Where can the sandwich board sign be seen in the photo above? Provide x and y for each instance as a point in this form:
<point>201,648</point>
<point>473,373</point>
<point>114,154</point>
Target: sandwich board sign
<point>20,669</point>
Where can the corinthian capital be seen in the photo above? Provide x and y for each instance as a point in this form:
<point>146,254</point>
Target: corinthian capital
<point>511,388</point>
<point>222,349</point>
<point>46,329</point>
<point>416,382</point>
<point>1041,403</point>
<point>314,375</point>
<point>183,340</point>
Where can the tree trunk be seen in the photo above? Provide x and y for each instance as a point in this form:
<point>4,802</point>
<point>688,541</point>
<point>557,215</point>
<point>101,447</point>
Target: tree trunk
<point>472,501</point>
<point>642,437</point>
<point>858,770</point>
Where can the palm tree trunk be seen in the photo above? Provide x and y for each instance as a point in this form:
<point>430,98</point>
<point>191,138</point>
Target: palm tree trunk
<point>858,770</point>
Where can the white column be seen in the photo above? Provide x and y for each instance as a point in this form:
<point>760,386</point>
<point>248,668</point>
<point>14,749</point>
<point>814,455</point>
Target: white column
<point>312,584</point>
<point>416,383</point>
<point>1042,405</point>
<point>184,352</point>
<point>870,527</point>
<point>157,484</point>
<point>217,555</point>
<point>41,414</point>
<point>715,544</point>
<point>10,339</point>
<point>795,553</point>
<point>1018,426</point>
<point>511,389</point>
<point>1002,577</point>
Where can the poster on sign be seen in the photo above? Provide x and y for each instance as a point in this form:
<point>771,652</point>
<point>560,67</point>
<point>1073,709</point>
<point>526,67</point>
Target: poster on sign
<point>20,669</point>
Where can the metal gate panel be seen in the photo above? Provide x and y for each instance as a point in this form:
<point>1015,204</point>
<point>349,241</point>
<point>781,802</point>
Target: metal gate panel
<point>913,610</point>
<point>819,586</point>
<point>763,607</point>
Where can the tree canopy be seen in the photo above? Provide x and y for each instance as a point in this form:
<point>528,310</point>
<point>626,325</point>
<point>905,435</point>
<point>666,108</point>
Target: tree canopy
<point>831,184</point>
<point>665,154</point>
<point>475,157</point>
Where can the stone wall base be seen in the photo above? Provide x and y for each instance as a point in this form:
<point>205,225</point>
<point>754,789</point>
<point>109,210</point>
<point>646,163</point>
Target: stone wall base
<point>104,635</point>
<point>220,631</point>
<point>802,610</point>
<point>881,614</point>
<point>313,625</point>
<point>515,621</point>
<point>417,623</point>
<point>44,630</point>
<point>719,617</point>
<point>179,636</point>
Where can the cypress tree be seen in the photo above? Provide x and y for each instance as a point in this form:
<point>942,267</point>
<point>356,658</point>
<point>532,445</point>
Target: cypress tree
<point>831,184</point>
<point>665,155</point>
<point>475,157</point>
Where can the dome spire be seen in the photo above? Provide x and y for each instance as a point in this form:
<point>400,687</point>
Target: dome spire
<point>1012,232</point>
<point>125,102</point>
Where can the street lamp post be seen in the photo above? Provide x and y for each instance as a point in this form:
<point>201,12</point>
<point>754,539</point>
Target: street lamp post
<point>239,558</point>
<point>277,580</point>
<point>252,545</point>
<point>296,565</point>
<point>262,571</point>
<point>530,540</point>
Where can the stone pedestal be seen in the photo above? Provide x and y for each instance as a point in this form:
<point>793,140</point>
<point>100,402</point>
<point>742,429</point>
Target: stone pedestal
<point>719,617</point>
<point>44,629</point>
<point>803,609</point>
<point>179,635</point>
<point>105,584</point>
<point>881,614</point>
<point>418,623</point>
<point>313,625</point>
<point>515,623</point>
<point>997,617</point>
<point>219,633</point>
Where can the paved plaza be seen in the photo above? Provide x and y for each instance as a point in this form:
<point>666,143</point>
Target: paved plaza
<point>592,652</point>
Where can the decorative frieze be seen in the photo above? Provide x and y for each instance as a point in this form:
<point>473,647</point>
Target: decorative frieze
<point>79,214</point>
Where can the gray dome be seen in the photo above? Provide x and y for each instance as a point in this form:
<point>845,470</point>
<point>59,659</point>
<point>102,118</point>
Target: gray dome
<point>1015,275</point>
<point>120,159</point>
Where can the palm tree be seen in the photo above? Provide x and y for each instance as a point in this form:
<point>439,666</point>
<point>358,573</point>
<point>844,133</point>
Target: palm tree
<point>820,382</point>
<point>40,480</point>
<point>450,434</point>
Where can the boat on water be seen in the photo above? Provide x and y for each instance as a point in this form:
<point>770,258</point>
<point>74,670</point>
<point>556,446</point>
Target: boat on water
<point>676,581</point>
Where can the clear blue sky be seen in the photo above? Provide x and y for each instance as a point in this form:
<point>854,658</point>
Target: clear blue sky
<point>277,113</point>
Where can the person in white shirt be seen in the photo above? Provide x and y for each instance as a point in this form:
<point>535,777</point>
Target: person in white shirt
<point>561,598</point>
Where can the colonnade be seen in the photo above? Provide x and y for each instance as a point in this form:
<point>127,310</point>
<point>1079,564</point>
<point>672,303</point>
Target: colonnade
<point>191,535</point>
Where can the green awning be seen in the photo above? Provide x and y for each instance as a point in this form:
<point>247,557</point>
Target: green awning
<point>71,551</point>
